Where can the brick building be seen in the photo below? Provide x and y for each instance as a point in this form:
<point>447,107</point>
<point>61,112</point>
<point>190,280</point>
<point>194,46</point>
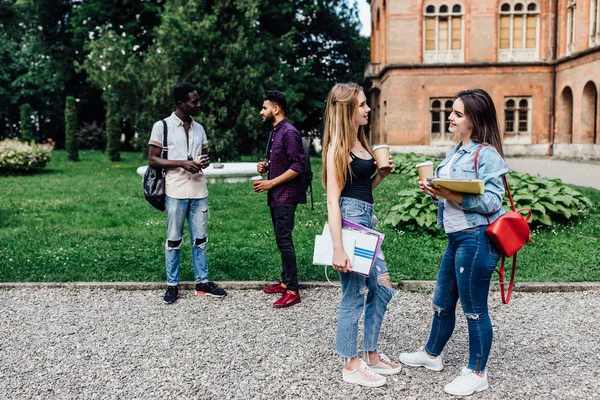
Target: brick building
<point>538,59</point>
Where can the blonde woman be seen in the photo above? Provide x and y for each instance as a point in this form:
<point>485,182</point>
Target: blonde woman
<point>349,175</point>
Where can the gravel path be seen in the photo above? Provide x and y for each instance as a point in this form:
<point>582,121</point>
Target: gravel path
<point>66,343</point>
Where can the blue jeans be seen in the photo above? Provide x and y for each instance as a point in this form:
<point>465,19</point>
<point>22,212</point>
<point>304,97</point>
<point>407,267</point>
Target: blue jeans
<point>196,212</point>
<point>465,272</point>
<point>354,288</point>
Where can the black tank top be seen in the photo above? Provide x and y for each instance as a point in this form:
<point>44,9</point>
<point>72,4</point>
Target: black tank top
<point>359,187</point>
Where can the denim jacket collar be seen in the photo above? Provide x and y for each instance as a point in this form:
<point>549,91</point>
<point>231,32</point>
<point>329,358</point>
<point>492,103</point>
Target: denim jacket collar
<point>469,148</point>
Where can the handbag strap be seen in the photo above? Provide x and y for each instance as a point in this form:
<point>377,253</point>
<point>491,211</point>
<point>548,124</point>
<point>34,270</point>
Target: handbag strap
<point>475,162</point>
<point>507,295</point>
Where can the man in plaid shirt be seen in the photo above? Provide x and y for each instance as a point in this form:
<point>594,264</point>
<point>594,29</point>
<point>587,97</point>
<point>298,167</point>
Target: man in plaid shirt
<point>286,188</point>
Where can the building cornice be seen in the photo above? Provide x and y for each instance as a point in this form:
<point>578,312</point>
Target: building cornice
<point>549,63</point>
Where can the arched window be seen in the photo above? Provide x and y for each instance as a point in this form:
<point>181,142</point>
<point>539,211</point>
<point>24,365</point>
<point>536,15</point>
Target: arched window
<point>516,116</point>
<point>594,23</point>
<point>571,10</point>
<point>440,111</point>
<point>519,32</point>
<point>443,38</point>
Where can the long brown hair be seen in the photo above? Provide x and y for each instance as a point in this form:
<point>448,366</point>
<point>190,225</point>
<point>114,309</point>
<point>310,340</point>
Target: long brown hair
<point>341,131</point>
<point>480,109</point>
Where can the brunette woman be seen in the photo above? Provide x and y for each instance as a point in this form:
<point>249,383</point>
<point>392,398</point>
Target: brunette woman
<point>470,258</point>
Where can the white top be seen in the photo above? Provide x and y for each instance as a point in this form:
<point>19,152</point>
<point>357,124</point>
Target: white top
<point>181,184</point>
<point>454,216</point>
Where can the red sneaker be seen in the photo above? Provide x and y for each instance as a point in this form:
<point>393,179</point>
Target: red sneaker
<point>274,288</point>
<point>288,299</point>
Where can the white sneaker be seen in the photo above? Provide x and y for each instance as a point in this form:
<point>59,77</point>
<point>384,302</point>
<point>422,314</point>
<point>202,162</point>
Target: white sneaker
<point>467,383</point>
<point>363,375</point>
<point>420,359</point>
<point>383,366</point>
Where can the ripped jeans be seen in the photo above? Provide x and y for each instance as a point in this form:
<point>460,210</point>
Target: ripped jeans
<point>196,212</point>
<point>465,272</point>
<point>355,285</point>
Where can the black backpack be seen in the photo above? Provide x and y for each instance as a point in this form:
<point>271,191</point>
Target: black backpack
<point>154,178</point>
<point>308,174</point>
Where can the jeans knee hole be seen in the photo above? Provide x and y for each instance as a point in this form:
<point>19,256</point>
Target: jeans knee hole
<point>174,244</point>
<point>200,242</point>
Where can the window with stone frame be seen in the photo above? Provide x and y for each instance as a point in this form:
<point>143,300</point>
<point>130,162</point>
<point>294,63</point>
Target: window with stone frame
<point>440,109</point>
<point>594,23</point>
<point>443,34</point>
<point>519,32</point>
<point>517,116</point>
<point>571,11</point>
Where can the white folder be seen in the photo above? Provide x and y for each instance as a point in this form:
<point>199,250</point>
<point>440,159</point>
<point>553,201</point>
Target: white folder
<point>323,253</point>
<point>363,245</point>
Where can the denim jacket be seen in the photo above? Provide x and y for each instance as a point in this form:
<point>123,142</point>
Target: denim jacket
<point>491,167</point>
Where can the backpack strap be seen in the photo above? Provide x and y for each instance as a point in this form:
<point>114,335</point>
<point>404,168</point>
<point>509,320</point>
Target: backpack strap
<point>164,153</point>
<point>165,149</point>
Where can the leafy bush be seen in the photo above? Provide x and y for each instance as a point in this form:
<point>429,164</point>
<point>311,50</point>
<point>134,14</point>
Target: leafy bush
<point>414,212</point>
<point>550,200</point>
<point>17,156</point>
<point>92,137</point>
<point>405,164</point>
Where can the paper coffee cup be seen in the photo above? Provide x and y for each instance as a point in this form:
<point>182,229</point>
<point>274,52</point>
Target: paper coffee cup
<point>425,170</point>
<point>382,154</point>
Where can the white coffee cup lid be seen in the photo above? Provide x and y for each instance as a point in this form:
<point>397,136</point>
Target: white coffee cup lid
<point>423,164</point>
<point>256,178</point>
<point>379,146</point>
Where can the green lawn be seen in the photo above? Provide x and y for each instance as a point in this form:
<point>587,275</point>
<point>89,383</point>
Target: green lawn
<point>88,221</point>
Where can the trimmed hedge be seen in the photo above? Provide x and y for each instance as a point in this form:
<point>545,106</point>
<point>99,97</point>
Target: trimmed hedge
<point>26,125</point>
<point>71,129</point>
<point>16,156</point>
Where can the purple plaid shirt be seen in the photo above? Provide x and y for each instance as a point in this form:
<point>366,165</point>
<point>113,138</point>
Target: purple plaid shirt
<point>285,152</point>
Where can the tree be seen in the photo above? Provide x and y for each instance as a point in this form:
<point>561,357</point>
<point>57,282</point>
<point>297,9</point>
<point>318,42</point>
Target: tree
<point>29,71</point>
<point>232,51</point>
<point>71,129</point>
<point>26,125</point>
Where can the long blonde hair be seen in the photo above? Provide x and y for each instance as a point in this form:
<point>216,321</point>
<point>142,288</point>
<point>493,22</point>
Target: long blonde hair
<point>341,131</point>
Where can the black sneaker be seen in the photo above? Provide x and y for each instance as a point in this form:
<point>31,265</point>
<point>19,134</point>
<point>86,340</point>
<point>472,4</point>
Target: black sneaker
<point>171,295</point>
<point>209,289</point>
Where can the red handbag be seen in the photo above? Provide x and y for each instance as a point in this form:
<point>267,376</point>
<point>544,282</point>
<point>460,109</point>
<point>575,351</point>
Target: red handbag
<point>508,234</point>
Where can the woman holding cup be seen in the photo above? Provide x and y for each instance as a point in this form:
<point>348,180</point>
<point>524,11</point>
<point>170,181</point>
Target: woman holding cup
<point>470,258</point>
<point>350,174</point>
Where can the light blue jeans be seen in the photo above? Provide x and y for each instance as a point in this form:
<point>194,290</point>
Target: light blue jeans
<point>355,287</point>
<point>196,213</point>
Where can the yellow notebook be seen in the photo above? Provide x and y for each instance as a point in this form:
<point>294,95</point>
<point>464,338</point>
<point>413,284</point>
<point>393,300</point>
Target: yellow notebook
<point>474,186</point>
